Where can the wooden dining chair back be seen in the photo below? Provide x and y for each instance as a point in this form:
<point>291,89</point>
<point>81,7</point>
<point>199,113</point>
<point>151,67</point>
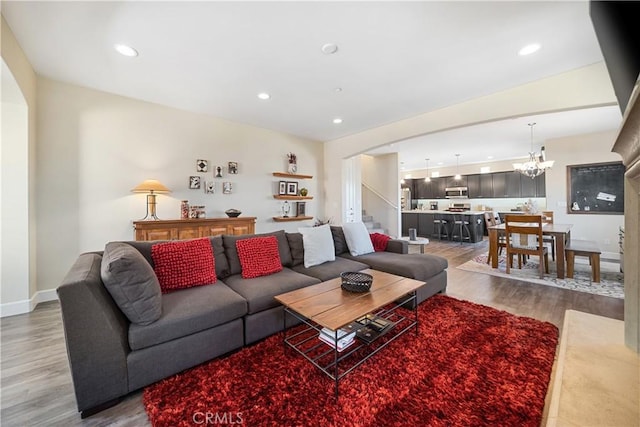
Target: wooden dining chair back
<point>524,237</point>
<point>491,219</point>
<point>547,218</point>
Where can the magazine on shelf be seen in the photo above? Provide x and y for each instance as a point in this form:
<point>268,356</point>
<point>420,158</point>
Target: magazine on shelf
<point>342,344</point>
<point>343,334</point>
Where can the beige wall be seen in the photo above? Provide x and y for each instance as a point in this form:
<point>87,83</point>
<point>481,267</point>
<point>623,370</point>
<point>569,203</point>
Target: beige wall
<point>94,147</point>
<point>12,293</point>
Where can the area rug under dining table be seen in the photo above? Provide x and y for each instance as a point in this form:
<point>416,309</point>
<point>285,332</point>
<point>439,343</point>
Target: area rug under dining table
<point>611,279</point>
<point>469,365</point>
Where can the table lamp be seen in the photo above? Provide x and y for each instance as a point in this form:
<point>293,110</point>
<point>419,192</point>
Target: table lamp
<point>152,187</point>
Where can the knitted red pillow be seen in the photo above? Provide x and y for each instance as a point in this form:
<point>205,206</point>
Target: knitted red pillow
<point>259,256</point>
<point>184,264</point>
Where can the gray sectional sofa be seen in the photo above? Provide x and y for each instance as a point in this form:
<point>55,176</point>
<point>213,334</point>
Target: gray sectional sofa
<point>111,356</point>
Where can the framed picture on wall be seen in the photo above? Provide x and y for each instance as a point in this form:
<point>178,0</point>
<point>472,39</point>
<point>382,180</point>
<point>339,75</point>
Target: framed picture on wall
<point>202,165</point>
<point>292,188</point>
<point>227,188</point>
<point>233,168</point>
<point>282,188</point>
<point>301,209</point>
<point>595,188</point>
<point>194,182</point>
<point>210,187</point>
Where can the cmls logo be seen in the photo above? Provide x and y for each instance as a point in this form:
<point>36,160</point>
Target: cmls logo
<point>212,418</point>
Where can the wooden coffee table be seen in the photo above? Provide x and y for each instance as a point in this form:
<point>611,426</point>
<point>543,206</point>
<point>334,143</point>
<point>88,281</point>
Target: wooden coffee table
<point>327,305</point>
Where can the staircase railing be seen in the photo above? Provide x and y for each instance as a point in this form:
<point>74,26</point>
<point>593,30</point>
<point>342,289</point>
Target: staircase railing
<point>379,195</point>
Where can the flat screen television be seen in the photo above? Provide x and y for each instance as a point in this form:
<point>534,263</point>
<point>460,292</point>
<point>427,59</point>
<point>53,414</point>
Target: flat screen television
<point>618,32</point>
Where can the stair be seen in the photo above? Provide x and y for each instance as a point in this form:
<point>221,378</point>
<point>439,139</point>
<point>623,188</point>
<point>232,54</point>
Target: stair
<point>372,226</point>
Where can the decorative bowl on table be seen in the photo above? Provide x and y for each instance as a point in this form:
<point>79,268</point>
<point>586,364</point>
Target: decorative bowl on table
<point>233,213</point>
<point>356,281</point>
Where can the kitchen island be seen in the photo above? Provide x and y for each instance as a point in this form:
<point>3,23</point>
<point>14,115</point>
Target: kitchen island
<point>422,221</point>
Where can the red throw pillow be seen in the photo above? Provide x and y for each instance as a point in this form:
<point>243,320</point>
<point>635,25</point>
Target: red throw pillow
<point>379,241</point>
<point>259,256</point>
<point>184,264</point>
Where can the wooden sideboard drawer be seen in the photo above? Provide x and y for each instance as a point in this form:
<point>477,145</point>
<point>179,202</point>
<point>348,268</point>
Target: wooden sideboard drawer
<point>181,229</point>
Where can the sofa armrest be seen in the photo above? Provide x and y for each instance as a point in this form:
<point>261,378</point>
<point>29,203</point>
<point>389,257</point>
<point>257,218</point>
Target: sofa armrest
<point>398,246</point>
<point>96,335</point>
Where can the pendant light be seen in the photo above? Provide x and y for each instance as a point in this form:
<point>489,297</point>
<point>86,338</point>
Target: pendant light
<point>457,177</point>
<point>428,178</point>
<point>534,167</point>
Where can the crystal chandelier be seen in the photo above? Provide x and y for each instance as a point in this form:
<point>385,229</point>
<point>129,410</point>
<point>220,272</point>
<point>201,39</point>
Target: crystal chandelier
<point>536,165</point>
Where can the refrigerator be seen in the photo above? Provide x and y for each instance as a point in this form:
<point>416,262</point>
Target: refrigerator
<point>405,199</point>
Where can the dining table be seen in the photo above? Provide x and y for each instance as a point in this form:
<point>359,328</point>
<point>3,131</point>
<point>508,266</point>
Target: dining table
<point>560,232</point>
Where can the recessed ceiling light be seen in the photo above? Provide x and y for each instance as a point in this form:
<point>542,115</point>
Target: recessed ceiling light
<point>529,49</point>
<point>337,121</point>
<point>329,48</point>
<point>338,89</point>
<point>125,50</point>
<point>264,96</point>
<point>489,157</point>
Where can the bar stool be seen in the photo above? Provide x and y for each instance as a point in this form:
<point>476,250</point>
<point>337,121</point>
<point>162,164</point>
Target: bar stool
<point>440,226</point>
<point>460,225</point>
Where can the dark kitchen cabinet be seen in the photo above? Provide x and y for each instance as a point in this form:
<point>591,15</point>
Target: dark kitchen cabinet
<point>425,224</point>
<point>499,182</point>
<point>513,184</point>
<point>486,185</point>
<point>527,186</point>
<point>452,182</point>
<point>438,185</point>
<point>541,185</point>
<point>532,187</point>
<point>422,189</point>
<point>473,183</point>
<point>409,220</point>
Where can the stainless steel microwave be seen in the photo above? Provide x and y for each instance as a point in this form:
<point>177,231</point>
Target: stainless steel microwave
<point>456,192</point>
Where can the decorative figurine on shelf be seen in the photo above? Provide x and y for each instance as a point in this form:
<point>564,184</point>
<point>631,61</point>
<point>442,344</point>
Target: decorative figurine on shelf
<point>184,209</point>
<point>293,163</point>
<point>286,208</point>
<point>304,192</point>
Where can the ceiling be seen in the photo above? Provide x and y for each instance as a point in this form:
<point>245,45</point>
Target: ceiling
<point>394,60</point>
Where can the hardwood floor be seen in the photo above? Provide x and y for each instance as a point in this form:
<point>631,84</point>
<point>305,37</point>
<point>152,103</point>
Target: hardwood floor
<point>36,386</point>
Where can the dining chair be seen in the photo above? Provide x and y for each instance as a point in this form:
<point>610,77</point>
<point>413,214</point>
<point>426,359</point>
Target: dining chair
<point>547,218</point>
<point>490,219</point>
<point>524,237</point>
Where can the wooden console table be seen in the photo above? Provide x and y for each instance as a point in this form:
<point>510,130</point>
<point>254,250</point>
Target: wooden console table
<point>179,229</point>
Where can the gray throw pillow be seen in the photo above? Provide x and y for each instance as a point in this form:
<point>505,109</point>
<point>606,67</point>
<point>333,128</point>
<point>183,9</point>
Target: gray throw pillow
<point>132,283</point>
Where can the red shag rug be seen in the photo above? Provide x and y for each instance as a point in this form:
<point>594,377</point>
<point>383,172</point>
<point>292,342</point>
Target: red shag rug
<point>470,365</point>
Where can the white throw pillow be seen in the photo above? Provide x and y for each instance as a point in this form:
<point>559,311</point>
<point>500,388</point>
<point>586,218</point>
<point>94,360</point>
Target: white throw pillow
<point>318,245</point>
<point>357,237</point>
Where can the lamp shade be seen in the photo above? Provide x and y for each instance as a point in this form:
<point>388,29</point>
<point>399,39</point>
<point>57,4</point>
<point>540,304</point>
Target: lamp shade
<point>150,186</point>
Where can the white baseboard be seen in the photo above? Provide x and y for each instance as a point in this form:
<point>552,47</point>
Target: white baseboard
<point>27,306</point>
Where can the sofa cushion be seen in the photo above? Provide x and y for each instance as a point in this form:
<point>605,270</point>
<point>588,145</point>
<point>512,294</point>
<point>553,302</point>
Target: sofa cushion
<point>258,256</point>
<point>297,248</point>
<point>222,266</point>
<point>318,245</point>
<point>339,241</point>
<point>231,252</point>
<point>331,270</point>
<point>132,283</point>
<point>188,311</point>
<point>259,292</point>
<point>358,239</point>
<point>184,264</point>
<point>413,266</point>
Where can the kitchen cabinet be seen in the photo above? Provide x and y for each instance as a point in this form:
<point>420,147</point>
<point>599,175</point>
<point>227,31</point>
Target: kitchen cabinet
<point>480,185</point>
<point>452,182</point>
<point>527,186</point>
<point>421,189</point>
<point>541,185</point>
<point>506,184</point>
<point>181,229</point>
<point>425,224</point>
<point>473,183</point>
<point>409,220</point>
<point>438,186</point>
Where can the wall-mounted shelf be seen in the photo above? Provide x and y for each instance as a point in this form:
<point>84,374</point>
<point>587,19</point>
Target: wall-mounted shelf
<point>292,218</point>
<point>285,197</point>
<point>292,175</point>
